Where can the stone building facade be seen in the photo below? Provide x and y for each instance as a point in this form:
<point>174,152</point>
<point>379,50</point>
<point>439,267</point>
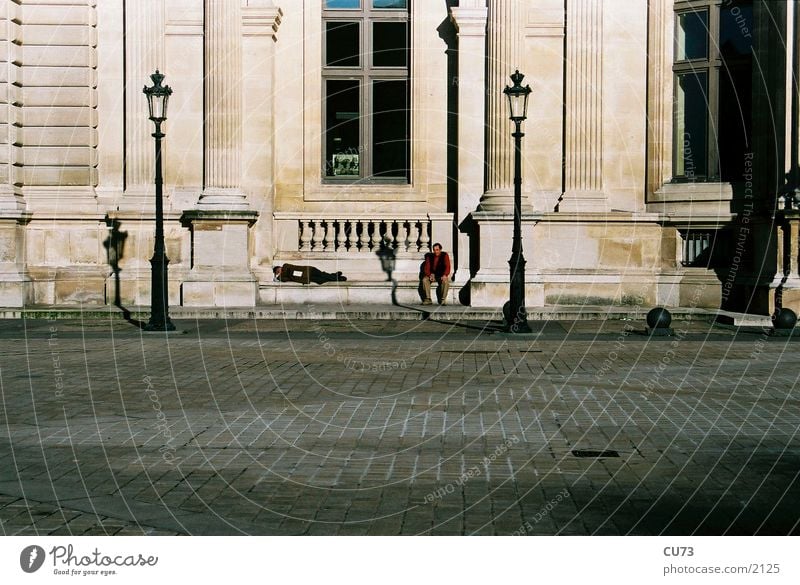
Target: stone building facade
<point>659,163</point>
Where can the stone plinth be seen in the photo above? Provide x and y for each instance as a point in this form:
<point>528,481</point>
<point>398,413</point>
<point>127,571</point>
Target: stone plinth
<point>15,285</point>
<point>220,274</point>
<point>491,285</point>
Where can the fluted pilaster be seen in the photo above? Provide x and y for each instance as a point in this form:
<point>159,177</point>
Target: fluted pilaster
<point>504,41</point>
<point>584,107</point>
<point>659,105</point>
<point>223,106</point>
<point>144,53</point>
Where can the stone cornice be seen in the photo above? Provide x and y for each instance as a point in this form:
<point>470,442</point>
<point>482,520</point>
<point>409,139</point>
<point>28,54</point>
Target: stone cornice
<point>260,18</point>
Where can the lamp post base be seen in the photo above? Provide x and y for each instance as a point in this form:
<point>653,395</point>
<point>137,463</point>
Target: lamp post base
<point>159,326</point>
<point>519,327</point>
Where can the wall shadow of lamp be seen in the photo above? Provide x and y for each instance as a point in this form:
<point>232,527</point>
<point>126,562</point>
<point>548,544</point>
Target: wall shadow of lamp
<point>115,250</point>
<point>388,257</point>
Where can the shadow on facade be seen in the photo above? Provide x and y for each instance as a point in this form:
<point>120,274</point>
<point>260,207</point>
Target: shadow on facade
<point>449,34</point>
<point>115,252</point>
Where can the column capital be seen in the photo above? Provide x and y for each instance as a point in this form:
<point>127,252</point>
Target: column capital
<point>470,21</point>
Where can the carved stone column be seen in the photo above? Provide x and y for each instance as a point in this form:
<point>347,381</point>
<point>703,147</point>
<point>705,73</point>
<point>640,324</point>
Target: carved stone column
<point>144,53</point>
<point>583,185</point>
<point>504,41</point>
<point>223,107</point>
<point>222,225</point>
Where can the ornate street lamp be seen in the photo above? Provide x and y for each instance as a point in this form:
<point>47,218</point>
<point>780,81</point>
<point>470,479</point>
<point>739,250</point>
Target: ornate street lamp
<point>157,99</point>
<point>518,108</point>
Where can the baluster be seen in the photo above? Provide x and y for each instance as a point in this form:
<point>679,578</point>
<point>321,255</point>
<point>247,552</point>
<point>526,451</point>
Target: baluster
<point>316,240</point>
<point>376,234</point>
<point>305,235</point>
<point>413,236</point>
<point>324,227</point>
<point>364,241</point>
<point>402,236</point>
<point>353,236</point>
<point>390,239</point>
<point>424,239</point>
<point>340,236</point>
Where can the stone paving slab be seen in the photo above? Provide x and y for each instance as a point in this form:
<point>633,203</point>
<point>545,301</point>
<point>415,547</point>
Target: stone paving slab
<point>338,427</point>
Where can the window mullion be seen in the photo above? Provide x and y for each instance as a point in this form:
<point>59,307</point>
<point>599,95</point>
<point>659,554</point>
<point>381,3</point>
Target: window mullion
<point>714,67</point>
<point>366,116</point>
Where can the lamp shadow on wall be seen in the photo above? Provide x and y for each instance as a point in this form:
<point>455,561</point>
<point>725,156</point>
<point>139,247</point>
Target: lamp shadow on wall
<point>115,251</point>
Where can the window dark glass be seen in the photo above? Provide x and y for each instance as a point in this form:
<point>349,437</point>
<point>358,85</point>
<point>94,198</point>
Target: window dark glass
<point>692,36</point>
<point>691,125</point>
<point>342,128</point>
<point>390,128</point>
<point>342,44</point>
<point>366,89</point>
<point>389,44</point>
<point>736,31</point>
<point>713,89</point>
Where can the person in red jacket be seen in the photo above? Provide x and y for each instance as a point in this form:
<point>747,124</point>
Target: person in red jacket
<point>436,268</point>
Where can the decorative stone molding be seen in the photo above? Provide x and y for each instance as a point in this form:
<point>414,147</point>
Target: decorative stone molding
<point>58,134</point>
<point>11,199</point>
<point>261,18</point>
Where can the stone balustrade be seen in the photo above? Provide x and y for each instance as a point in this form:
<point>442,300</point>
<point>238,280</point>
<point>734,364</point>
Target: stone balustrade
<point>354,234</point>
<point>346,235</point>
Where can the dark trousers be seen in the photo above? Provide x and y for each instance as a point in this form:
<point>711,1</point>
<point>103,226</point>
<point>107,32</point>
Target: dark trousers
<point>317,276</point>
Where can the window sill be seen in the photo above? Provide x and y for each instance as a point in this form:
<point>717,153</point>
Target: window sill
<point>689,192</point>
<point>346,191</point>
<point>695,204</point>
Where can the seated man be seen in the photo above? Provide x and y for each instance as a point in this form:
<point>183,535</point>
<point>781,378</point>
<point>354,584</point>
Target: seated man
<point>304,274</point>
<point>436,268</point>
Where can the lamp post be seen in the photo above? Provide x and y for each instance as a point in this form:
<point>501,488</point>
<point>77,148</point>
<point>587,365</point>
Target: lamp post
<point>157,99</point>
<point>518,108</point>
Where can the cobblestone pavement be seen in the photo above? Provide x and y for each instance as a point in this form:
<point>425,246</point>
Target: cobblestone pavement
<point>267,427</point>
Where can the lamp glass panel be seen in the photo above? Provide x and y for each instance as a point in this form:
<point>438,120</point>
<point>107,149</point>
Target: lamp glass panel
<point>516,102</point>
<point>157,103</point>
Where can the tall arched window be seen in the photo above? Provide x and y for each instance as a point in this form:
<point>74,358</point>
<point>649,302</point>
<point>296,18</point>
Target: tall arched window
<point>713,89</point>
<point>366,90</point>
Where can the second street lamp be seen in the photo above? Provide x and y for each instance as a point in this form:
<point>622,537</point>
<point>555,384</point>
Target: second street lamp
<point>518,108</point>
<point>157,100</point>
